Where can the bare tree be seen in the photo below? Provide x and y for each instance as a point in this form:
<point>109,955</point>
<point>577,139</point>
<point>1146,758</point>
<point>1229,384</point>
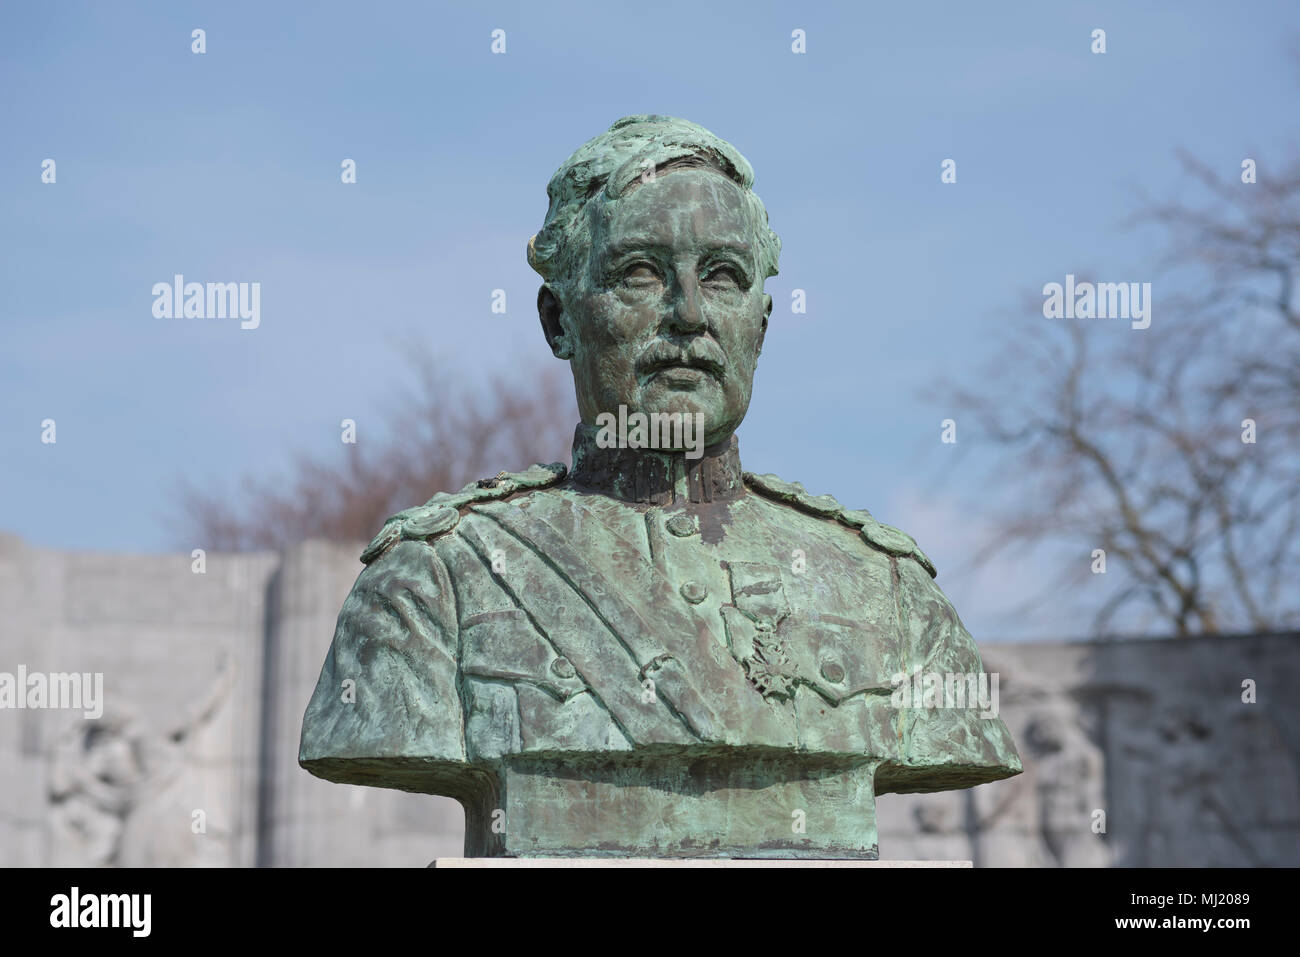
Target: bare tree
<point>1176,449</point>
<point>443,436</point>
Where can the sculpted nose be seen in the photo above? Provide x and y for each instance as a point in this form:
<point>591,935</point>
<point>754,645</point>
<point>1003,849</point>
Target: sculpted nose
<point>688,313</point>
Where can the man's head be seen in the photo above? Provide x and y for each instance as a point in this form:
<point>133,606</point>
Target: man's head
<point>654,252</point>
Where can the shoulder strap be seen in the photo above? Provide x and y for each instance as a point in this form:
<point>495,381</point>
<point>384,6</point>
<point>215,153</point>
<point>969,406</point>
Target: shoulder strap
<point>880,536</point>
<point>441,513</point>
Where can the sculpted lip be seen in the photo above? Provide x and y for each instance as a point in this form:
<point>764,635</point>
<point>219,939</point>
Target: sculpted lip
<point>680,376</point>
<point>681,363</point>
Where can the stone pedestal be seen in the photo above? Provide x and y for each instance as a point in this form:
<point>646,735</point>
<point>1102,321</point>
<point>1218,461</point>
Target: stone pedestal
<point>581,862</point>
<point>675,807</point>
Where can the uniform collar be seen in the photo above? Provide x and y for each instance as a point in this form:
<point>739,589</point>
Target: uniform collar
<point>655,477</point>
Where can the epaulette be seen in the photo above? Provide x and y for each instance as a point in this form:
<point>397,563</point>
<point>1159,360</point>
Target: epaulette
<point>440,514</point>
<point>877,534</point>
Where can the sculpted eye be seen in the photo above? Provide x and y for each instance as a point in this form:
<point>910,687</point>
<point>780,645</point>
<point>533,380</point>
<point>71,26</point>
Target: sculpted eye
<point>723,276</point>
<point>641,274</point>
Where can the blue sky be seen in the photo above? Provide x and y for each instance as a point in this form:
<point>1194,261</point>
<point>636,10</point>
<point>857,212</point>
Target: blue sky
<point>225,166</point>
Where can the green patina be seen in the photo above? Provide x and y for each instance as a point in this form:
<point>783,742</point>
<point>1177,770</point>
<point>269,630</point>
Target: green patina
<point>653,653</point>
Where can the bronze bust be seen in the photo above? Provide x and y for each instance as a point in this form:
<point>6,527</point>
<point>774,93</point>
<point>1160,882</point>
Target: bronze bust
<point>653,653</point>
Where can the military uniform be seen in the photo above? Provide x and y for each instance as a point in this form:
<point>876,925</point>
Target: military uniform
<point>648,652</point>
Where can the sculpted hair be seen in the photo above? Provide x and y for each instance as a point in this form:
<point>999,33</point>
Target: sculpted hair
<point>610,164</point>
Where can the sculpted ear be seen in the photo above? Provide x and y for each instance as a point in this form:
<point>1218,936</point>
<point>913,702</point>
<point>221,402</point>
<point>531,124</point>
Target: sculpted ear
<point>762,331</point>
<point>550,311</point>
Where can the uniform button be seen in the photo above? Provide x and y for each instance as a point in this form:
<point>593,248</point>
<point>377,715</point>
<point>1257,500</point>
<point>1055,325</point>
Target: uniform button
<point>562,668</point>
<point>681,525</point>
<point>694,592</point>
<point>832,672</point>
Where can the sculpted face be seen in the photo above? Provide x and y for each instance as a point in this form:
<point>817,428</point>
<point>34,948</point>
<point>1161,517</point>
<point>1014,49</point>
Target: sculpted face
<point>669,314</point>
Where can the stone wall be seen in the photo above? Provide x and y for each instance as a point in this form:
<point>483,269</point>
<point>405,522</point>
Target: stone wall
<point>206,677</point>
<point>1153,733</point>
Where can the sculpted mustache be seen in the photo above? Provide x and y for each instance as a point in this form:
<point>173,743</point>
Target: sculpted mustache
<point>700,358</point>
